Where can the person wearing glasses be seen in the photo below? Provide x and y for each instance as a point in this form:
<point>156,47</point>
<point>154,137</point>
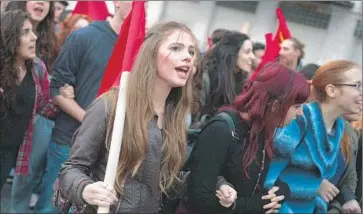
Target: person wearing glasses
<point>308,150</point>
<point>339,190</point>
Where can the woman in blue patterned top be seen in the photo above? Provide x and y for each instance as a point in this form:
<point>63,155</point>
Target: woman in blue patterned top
<point>306,151</point>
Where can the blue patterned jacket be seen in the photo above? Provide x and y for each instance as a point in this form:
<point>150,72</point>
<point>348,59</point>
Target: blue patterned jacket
<point>304,163</point>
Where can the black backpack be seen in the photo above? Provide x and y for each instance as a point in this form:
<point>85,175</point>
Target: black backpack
<point>193,134</point>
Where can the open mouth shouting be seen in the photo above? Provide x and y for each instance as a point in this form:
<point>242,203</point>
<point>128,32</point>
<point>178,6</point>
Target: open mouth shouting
<point>183,71</point>
<point>38,11</point>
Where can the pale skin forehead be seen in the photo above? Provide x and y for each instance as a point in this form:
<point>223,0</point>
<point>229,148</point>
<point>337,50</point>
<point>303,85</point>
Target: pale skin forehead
<point>179,36</point>
<point>27,25</point>
<point>353,75</point>
<point>287,43</point>
<point>247,45</point>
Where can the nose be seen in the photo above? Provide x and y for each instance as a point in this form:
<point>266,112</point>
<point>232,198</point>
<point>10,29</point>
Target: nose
<point>252,56</point>
<point>34,36</point>
<point>187,56</point>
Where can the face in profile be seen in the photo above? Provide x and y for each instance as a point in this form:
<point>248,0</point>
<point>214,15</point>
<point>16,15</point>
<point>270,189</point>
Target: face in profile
<point>27,43</point>
<point>348,94</point>
<point>288,53</point>
<point>38,10</point>
<point>175,58</point>
<point>245,56</point>
<point>58,9</point>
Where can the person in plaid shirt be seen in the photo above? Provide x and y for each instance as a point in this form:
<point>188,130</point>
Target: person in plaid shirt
<point>24,92</point>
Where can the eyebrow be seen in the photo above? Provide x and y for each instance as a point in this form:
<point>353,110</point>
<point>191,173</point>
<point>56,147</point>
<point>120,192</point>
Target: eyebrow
<point>25,30</point>
<point>181,44</point>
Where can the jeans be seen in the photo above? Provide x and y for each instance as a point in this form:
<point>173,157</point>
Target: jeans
<point>23,186</point>
<point>7,160</point>
<point>56,156</point>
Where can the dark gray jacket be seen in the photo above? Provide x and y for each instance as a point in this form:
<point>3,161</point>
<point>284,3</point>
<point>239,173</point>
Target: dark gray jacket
<point>87,164</point>
<point>348,183</point>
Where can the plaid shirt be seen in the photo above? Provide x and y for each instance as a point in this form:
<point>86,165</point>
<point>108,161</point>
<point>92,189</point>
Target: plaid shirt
<point>44,106</point>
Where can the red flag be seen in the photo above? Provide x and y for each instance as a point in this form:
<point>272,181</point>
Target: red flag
<point>210,43</point>
<point>273,44</point>
<point>96,10</point>
<point>130,39</point>
<point>283,31</point>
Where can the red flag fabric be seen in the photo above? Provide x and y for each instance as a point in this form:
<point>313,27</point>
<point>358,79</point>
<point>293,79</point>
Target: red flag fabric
<point>210,43</point>
<point>283,31</point>
<point>96,10</point>
<point>273,44</point>
<point>130,39</point>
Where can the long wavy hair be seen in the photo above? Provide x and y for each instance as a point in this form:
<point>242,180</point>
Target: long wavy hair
<point>139,112</point>
<point>197,87</point>
<point>46,42</point>
<point>266,100</point>
<point>221,65</point>
<point>68,26</point>
<point>11,24</point>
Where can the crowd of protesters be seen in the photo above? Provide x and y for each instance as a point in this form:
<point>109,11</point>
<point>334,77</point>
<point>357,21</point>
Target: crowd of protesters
<point>200,135</point>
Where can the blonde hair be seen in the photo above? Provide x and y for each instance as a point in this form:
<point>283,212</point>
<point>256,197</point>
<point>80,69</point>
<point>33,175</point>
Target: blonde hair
<point>139,112</point>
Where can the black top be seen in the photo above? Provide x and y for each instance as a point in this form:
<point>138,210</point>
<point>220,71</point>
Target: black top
<point>81,63</point>
<point>14,122</point>
<point>215,154</point>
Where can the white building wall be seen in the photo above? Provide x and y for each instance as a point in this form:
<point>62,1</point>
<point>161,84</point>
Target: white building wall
<point>203,17</point>
<point>321,45</point>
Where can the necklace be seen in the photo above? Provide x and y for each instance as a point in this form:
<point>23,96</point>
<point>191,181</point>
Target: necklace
<point>260,173</point>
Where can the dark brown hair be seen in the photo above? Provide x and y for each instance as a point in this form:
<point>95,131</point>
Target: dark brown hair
<point>11,25</point>
<point>47,42</point>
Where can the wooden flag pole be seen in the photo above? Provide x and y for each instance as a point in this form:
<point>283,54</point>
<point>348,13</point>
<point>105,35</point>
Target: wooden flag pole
<point>116,140</point>
<point>3,5</point>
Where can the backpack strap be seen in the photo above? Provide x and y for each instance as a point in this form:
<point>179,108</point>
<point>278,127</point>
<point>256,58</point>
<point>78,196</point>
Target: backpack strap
<point>226,117</point>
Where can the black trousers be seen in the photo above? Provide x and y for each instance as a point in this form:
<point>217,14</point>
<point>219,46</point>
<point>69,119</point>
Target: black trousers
<point>7,161</point>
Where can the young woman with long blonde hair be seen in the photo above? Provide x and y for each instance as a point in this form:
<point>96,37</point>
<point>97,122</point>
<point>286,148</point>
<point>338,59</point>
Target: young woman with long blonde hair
<point>159,97</point>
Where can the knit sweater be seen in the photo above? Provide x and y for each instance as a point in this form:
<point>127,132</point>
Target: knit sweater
<point>304,163</point>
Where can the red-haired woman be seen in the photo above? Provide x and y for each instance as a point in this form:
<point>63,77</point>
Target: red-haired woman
<point>243,158</point>
<point>309,149</point>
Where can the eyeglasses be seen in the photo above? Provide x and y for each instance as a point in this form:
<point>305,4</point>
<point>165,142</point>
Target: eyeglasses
<point>358,85</point>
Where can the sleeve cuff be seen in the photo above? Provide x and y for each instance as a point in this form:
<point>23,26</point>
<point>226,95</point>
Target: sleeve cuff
<point>344,196</point>
<point>222,181</point>
<point>79,199</point>
<point>54,92</point>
